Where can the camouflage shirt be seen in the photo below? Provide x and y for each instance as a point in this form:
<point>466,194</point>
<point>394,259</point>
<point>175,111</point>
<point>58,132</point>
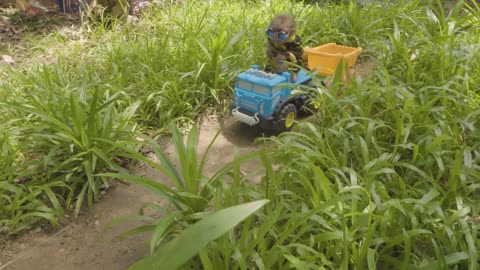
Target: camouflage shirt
<point>295,47</point>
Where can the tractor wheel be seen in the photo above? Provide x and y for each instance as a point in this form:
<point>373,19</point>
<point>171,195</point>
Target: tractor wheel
<point>285,119</point>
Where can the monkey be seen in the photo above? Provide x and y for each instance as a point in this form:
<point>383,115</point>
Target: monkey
<point>284,45</point>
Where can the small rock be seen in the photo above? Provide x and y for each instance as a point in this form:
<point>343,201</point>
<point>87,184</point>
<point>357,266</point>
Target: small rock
<point>7,59</point>
<point>103,186</point>
<point>473,219</point>
<point>132,19</point>
<point>37,230</point>
<point>97,223</point>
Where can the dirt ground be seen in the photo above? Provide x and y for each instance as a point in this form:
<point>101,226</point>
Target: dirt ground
<point>90,243</point>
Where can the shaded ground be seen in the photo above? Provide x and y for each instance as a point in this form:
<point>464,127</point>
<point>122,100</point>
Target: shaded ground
<point>16,29</point>
<point>89,243</point>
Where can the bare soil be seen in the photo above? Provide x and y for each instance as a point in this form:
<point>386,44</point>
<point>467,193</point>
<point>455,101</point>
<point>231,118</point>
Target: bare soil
<point>90,242</point>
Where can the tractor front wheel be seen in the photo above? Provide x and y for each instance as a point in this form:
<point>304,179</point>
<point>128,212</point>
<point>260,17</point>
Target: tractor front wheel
<point>285,118</point>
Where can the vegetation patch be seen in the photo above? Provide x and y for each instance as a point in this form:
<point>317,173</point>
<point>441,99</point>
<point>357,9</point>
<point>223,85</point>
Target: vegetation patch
<point>385,175</point>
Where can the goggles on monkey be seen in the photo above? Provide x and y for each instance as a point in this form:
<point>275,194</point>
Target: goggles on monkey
<point>280,34</point>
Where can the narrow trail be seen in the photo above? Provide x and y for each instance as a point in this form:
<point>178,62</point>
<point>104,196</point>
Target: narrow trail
<point>89,243</point>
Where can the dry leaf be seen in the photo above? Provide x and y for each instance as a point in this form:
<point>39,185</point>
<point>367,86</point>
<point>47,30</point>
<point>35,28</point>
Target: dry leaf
<point>7,58</point>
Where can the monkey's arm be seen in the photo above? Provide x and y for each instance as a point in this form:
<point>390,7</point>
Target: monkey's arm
<point>295,47</point>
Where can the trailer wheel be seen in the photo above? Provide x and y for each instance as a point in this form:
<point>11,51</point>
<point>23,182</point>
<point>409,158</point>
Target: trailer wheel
<point>285,119</point>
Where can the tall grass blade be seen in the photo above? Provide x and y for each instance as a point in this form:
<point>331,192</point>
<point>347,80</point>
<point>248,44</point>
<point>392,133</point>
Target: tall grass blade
<point>191,241</point>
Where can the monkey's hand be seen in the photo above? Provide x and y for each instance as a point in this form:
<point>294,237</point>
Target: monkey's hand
<point>271,52</point>
<point>291,57</point>
<point>279,64</point>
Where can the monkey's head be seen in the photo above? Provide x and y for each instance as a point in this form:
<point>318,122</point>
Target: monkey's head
<point>282,29</point>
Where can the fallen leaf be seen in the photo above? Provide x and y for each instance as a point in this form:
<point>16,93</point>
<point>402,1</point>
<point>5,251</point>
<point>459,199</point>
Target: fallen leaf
<point>7,59</point>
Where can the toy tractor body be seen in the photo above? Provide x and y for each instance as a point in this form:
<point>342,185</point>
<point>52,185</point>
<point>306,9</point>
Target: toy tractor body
<point>272,101</point>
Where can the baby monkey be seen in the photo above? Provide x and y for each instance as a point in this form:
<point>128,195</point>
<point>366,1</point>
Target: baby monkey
<point>284,45</point>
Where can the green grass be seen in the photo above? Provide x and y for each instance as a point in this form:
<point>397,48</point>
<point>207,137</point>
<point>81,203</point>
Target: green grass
<point>385,175</point>
<point>57,147</point>
<point>190,190</point>
<point>176,253</point>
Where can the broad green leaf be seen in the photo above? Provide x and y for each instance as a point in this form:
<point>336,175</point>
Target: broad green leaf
<point>178,251</point>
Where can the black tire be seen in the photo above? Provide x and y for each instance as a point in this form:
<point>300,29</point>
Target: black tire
<point>284,119</point>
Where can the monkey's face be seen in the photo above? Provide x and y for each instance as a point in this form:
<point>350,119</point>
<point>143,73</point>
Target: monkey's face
<point>277,37</point>
<point>281,29</point>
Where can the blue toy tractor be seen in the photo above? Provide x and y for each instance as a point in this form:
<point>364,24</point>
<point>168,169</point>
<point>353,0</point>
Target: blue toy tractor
<point>267,99</point>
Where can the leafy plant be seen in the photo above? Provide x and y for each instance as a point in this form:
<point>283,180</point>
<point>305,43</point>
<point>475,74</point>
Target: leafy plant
<point>178,251</point>
<point>193,190</point>
<point>27,196</point>
<point>67,128</point>
<point>25,205</point>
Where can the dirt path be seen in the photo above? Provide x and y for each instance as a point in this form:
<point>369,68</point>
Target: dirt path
<point>88,243</point>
